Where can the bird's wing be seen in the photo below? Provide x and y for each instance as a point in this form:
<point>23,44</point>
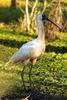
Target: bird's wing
<point>24,52</point>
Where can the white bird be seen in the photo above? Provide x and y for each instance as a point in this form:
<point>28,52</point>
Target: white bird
<point>32,50</point>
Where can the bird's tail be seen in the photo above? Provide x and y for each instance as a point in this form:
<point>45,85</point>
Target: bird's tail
<point>13,59</point>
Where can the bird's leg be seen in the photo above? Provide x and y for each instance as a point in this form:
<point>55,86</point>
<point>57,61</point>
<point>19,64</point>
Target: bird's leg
<point>22,76</point>
<point>30,73</point>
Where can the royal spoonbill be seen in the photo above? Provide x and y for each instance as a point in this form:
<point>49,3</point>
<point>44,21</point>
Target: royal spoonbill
<point>31,51</point>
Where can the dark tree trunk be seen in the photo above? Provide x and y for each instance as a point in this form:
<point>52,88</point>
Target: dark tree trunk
<point>13,3</point>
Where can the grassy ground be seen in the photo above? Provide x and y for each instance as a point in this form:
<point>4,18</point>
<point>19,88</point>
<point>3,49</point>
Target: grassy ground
<point>49,74</point>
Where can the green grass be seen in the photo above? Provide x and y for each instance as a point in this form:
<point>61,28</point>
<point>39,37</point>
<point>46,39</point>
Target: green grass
<point>49,74</point>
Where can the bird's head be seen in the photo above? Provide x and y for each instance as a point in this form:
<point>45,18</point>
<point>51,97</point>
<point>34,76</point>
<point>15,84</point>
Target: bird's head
<point>42,17</point>
<point>39,17</point>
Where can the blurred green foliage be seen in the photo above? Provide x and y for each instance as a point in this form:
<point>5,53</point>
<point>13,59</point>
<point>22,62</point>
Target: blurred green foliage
<point>49,74</point>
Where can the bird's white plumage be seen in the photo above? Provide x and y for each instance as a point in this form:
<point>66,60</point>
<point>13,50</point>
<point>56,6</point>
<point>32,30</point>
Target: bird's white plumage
<point>30,50</point>
<point>33,49</point>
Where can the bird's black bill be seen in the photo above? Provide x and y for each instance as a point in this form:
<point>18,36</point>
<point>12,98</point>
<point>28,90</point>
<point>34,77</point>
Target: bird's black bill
<point>44,17</point>
<point>55,25</point>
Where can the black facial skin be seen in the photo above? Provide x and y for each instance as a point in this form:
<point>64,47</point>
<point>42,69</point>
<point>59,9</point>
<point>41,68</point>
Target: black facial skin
<point>44,17</point>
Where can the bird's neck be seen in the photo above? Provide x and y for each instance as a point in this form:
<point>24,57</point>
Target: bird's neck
<point>41,34</point>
